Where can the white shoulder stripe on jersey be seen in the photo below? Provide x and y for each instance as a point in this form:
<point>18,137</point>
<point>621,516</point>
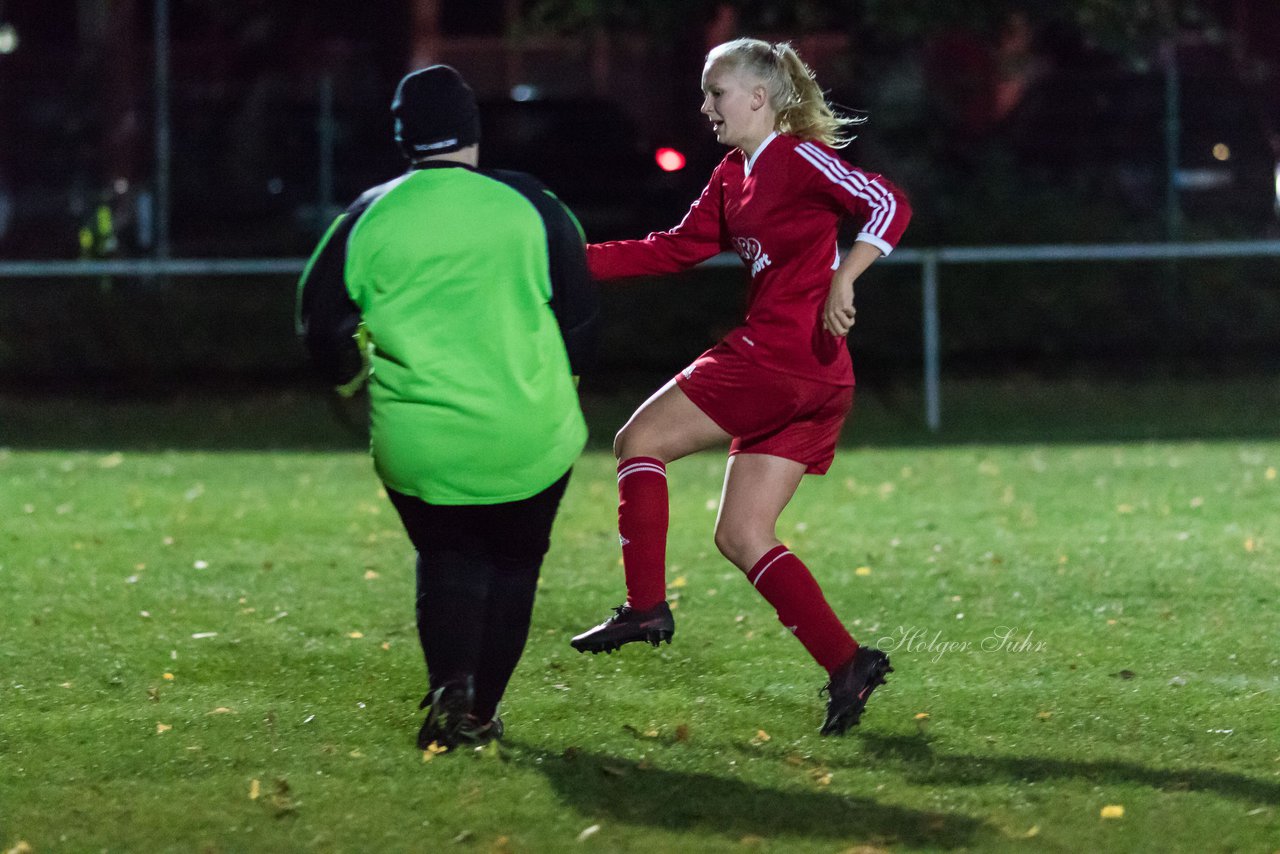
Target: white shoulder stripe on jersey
<point>879,223</point>
<point>839,173</point>
<point>884,205</point>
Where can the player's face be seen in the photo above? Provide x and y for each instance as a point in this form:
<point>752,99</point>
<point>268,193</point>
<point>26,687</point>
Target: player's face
<point>732,101</point>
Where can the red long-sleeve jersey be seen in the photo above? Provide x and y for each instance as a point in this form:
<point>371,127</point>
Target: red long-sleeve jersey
<point>779,212</point>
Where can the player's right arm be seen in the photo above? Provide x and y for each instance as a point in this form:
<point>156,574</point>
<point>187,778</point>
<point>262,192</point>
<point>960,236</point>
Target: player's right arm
<point>699,236</point>
<point>326,319</point>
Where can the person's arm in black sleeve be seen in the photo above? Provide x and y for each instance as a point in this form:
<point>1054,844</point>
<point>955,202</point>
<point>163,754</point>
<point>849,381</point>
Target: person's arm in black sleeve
<point>327,320</point>
<point>574,298</point>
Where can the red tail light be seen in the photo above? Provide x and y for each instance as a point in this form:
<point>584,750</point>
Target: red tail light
<point>669,160</point>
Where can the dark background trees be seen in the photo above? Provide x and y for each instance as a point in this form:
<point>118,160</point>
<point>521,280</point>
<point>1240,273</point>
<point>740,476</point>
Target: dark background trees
<point>1008,122</point>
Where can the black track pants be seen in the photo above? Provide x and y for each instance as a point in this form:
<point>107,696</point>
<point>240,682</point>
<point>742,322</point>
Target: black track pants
<point>477,574</point>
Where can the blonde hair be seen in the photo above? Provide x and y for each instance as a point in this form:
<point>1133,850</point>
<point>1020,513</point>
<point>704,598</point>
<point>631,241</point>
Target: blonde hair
<point>799,104</point>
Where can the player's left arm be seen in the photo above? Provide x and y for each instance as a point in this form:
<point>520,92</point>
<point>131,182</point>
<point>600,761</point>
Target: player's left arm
<point>838,313</point>
<point>880,208</point>
<point>574,298</point>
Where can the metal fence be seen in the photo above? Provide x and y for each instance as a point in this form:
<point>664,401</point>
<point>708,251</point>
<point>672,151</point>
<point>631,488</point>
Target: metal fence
<point>930,262</point>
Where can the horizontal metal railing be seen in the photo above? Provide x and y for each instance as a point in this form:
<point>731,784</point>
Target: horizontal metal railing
<point>929,260</point>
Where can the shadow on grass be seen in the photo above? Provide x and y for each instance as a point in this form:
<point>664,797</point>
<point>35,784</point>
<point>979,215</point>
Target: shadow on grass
<point>623,791</point>
<point>915,759</point>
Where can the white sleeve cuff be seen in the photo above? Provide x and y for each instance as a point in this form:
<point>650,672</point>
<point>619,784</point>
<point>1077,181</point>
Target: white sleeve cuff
<point>867,237</point>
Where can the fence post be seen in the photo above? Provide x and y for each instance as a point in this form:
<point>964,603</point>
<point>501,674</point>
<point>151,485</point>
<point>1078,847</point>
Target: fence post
<point>162,131</point>
<point>929,287</point>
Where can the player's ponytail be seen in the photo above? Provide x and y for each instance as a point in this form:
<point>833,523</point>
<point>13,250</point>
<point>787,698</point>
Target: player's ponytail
<point>800,105</point>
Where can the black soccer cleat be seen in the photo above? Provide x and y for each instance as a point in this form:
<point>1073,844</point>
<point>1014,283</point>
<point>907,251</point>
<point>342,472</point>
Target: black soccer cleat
<point>474,733</point>
<point>850,686</point>
<point>448,708</point>
<point>626,626</point>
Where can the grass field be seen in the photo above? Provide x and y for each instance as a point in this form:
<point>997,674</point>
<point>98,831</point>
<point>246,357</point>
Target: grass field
<point>214,651</point>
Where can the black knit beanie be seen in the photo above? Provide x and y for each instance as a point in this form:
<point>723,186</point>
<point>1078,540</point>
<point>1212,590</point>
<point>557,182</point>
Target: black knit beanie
<point>435,112</point>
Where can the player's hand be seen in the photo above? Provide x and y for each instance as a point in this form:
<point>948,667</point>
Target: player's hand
<point>838,314</point>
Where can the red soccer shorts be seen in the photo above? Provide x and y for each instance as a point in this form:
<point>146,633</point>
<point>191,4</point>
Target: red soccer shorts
<point>767,411</point>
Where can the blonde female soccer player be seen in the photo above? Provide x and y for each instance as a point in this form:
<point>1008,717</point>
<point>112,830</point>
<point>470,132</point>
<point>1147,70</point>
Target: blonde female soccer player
<point>779,386</point>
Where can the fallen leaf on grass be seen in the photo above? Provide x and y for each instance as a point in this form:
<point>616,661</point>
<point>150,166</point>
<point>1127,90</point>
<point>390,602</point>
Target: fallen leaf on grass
<point>589,832</point>
<point>680,581</point>
<point>168,677</point>
<point>1044,716</point>
<point>370,575</point>
<point>462,837</point>
<point>110,461</point>
<point>1032,831</point>
<point>822,777</point>
<point>433,750</point>
<point>222,710</point>
<point>255,789</point>
<point>1113,811</point>
<point>22,847</point>
<point>862,570</point>
<point>355,635</point>
<point>162,727</point>
<point>761,737</point>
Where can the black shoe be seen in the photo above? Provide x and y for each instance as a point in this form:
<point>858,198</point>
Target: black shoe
<point>850,686</point>
<point>447,709</point>
<point>626,625</point>
<point>475,733</point>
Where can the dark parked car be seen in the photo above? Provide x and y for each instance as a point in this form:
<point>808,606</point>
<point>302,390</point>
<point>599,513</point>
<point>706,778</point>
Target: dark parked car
<point>590,153</point>
<point>1104,134</point>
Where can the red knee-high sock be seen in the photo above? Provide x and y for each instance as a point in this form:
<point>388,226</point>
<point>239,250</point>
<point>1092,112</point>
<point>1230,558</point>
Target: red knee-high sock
<point>783,580</point>
<point>643,514</point>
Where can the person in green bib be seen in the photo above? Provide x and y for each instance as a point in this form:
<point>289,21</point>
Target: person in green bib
<point>462,296</point>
